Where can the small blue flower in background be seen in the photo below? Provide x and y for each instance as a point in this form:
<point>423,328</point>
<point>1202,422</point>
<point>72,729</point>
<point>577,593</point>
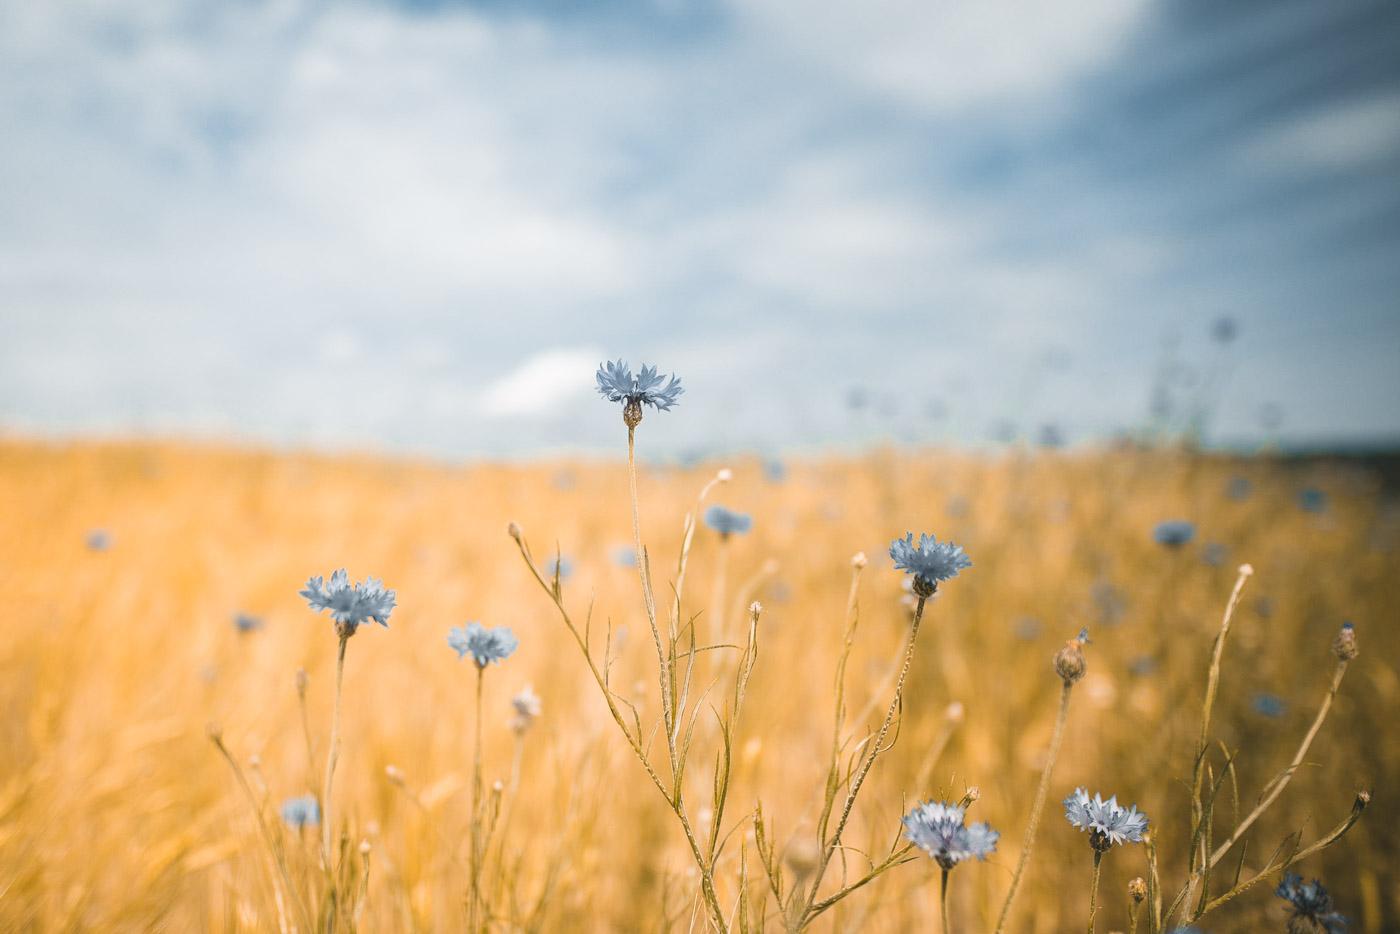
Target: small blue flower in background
<point>624,556</point>
<point>1214,554</point>
<point>1028,628</point>
<point>301,812</point>
<point>727,522</point>
<point>562,566</point>
<point>1269,705</point>
<point>246,622</point>
<point>1174,533</point>
<point>938,830</point>
<point>1109,602</point>
<point>1310,902</point>
<point>99,540</point>
<point>930,560</point>
<point>956,505</point>
<point>617,384</point>
<point>483,645</point>
<point>1107,821</point>
<point>1311,499</point>
<point>1143,665</point>
<point>775,471</point>
<point>350,606</point>
<point>1239,489</point>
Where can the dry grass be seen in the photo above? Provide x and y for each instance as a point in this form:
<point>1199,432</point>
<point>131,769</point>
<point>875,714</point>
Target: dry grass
<point>117,814</point>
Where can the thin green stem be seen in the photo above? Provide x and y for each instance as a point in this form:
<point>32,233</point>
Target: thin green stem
<point>1094,891</point>
<point>1038,806</point>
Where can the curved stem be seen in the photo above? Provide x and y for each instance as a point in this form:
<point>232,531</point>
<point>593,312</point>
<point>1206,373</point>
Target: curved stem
<point>1094,891</point>
<point>1037,807</point>
<point>868,760</point>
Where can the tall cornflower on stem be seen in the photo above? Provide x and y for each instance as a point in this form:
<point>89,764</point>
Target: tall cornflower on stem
<point>1070,665</point>
<point>349,606</point>
<point>930,562</point>
<point>484,646</point>
<point>1107,823</point>
<point>939,830</point>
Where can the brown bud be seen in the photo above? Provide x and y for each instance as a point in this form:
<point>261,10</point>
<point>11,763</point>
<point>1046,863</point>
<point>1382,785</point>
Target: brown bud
<point>923,587</point>
<point>802,856</point>
<point>1069,662</point>
<point>1344,646</point>
<point>514,530</point>
<point>632,413</point>
<point>1137,890</point>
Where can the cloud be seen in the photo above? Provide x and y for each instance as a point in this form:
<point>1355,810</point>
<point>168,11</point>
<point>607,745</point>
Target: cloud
<point>542,383</point>
<point>1338,136</point>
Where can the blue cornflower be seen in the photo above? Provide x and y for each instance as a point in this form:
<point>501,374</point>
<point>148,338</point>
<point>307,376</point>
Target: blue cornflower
<point>931,561</point>
<point>727,523</point>
<point>350,606</point>
<point>1239,489</point>
<point>774,471</point>
<point>1270,705</point>
<point>1312,499</point>
<point>1310,902</point>
<point>624,556</point>
<point>938,830</point>
<point>301,812</point>
<point>1174,533</point>
<point>561,566</point>
<point>483,645</point>
<point>246,622</point>
<point>1107,821</point>
<point>1214,554</point>
<point>617,384</point>
<point>99,540</point>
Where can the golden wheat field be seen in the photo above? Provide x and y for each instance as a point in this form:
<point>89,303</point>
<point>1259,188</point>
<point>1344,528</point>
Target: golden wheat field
<point>124,566</point>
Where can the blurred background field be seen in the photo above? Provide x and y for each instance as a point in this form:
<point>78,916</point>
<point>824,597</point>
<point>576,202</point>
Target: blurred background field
<point>125,565</point>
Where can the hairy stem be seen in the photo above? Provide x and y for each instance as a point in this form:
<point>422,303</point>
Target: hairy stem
<point>331,756</point>
<point>943,902</point>
<point>1094,891</point>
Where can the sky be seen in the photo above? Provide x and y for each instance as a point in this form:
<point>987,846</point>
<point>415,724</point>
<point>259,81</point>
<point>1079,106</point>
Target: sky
<point>420,226</point>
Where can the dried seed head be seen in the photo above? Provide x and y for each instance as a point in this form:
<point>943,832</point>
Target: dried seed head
<point>755,609</point>
<point>1344,646</point>
<point>972,794</point>
<point>1363,798</point>
<point>498,786</point>
<point>514,530</point>
<point>802,856</point>
<point>302,680</point>
<point>724,475</point>
<point>954,712</point>
<point>1137,890</point>
<point>364,847</point>
<point>1246,569</point>
<point>394,774</point>
<point>858,560</point>
<point>1069,661</point>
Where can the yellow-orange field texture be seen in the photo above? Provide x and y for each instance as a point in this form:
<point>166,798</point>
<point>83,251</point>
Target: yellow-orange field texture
<point>124,565</point>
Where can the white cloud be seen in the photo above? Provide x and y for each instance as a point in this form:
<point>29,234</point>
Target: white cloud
<point>542,383</point>
<point>1344,135</point>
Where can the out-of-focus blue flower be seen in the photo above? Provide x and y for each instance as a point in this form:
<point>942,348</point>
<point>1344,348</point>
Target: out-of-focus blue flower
<point>1028,628</point>
<point>1174,532</point>
<point>956,505</point>
<point>1311,902</point>
<point>938,830</point>
<point>1239,489</point>
<point>617,384</point>
<point>350,606</point>
<point>726,522</point>
<point>1214,554</point>
<point>1143,665</point>
<point>99,540</point>
<point>301,812</point>
<point>245,622</point>
<point>930,559</point>
<point>1109,602</point>
<point>775,471</point>
<point>1112,822</point>
<point>1311,499</point>
<point>624,556</point>
<point>483,645</point>
<point>562,566</point>
<point>1270,705</point>
<point>1224,330</point>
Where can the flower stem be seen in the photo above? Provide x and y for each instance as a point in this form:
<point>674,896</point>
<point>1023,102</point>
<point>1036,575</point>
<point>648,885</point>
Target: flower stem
<point>943,901</point>
<point>474,919</point>
<point>1094,891</point>
<point>331,756</point>
<point>647,596</point>
<point>1036,808</point>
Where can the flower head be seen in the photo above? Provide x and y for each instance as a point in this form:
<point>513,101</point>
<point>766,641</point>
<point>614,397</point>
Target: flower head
<point>1269,705</point>
<point>1311,499</point>
<point>99,540</point>
<point>301,812</point>
<point>930,561</point>
<point>527,709</point>
<point>1174,533</point>
<point>938,830</point>
<point>727,523</point>
<point>1312,906</point>
<point>1107,821</point>
<point>246,622</point>
<point>483,645</point>
<point>350,606</point>
<point>1344,646</point>
<point>617,384</point>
